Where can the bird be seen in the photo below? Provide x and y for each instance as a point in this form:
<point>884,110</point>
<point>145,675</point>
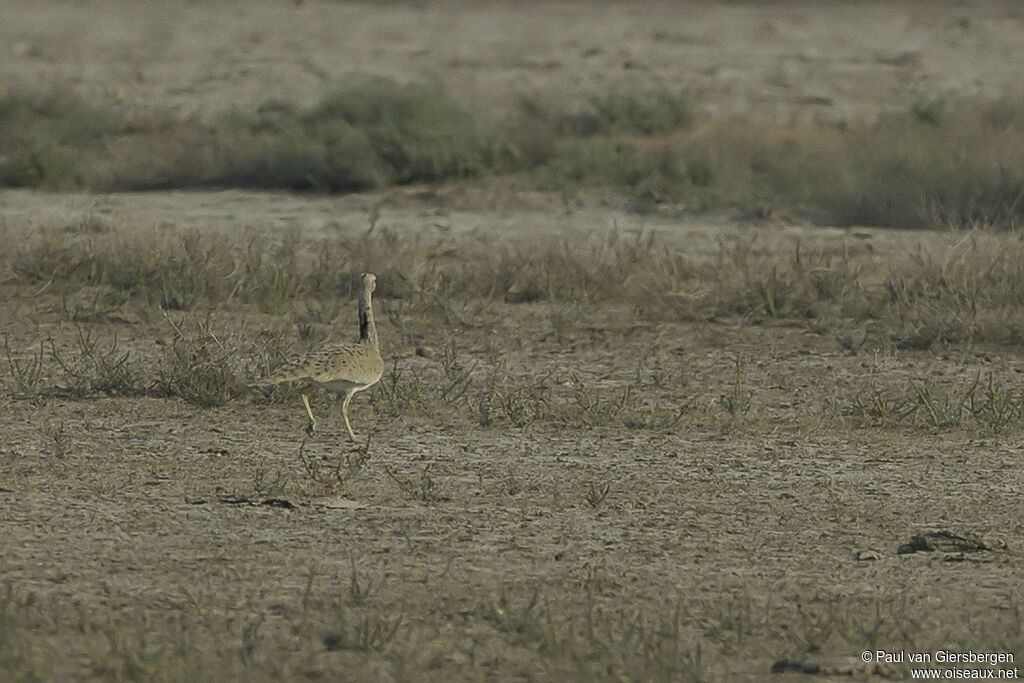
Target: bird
<point>348,368</point>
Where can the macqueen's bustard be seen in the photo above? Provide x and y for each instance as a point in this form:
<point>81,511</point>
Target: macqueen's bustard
<point>347,368</point>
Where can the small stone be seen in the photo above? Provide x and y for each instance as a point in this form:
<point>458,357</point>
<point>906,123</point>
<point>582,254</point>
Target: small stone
<point>866,556</point>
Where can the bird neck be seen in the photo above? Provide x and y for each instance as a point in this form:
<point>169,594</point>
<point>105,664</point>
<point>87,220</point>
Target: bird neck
<point>367,328</point>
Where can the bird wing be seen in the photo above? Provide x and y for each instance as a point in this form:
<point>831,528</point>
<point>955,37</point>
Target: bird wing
<point>307,367</point>
<point>357,363</point>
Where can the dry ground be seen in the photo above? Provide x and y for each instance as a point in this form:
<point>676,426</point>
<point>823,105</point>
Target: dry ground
<point>794,60</point>
<point>741,505</point>
<point>737,507</point>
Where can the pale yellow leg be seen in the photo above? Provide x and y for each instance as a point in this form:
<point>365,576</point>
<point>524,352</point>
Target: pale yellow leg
<point>311,427</point>
<point>344,413</point>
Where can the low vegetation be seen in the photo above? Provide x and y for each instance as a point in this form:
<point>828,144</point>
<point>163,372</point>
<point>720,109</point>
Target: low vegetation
<point>946,162</point>
<point>966,290</point>
<point>982,405</point>
<point>595,640</point>
<point>108,318</point>
<point>558,518</point>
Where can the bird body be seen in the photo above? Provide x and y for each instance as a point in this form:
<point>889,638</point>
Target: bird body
<point>333,366</point>
<point>347,368</point>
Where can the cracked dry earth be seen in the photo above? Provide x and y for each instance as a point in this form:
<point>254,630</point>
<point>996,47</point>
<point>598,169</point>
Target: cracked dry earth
<point>149,538</point>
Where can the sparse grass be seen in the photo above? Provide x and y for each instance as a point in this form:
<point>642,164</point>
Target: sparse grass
<point>596,493</point>
<point>198,367</point>
<point>740,618</point>
<point>58,441</point>
<point>626,405</point>
<point>965,289</point>
<point>519,405</point>
<point>602,644</point>
<point>457,377</point>
<point>526,626</point>
<point>403,391</point>
<point>26,373</point>
<point>371,632</point>
<point>639,647</point>
<point>267,484</point>
<point>96,368</point>
<point>984,405</point>
<point>15,655</point>
<point>421,487</point>
<point>522,408</point>
<point>585,631</point>
<point>969,290</point>
<point>736,401</point>
<point>658,417</point>
<point>594,409</point>
<point>334,477</point>
<point>359,591</point>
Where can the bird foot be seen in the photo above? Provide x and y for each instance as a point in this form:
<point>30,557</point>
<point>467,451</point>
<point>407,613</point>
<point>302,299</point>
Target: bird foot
<point>311,428</point>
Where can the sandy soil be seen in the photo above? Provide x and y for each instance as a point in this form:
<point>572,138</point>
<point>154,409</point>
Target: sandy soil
<point>146,538</point>
<point>777,60</point>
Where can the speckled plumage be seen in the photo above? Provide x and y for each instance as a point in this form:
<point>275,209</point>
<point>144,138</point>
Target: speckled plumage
<point>338,367</point>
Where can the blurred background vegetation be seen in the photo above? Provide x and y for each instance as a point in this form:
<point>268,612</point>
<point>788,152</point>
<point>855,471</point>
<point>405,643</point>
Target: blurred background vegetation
<point>943,163</point>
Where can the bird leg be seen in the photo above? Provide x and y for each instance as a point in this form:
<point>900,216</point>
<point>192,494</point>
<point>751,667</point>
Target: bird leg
<point>344,413</point>
<point>311,427</point>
